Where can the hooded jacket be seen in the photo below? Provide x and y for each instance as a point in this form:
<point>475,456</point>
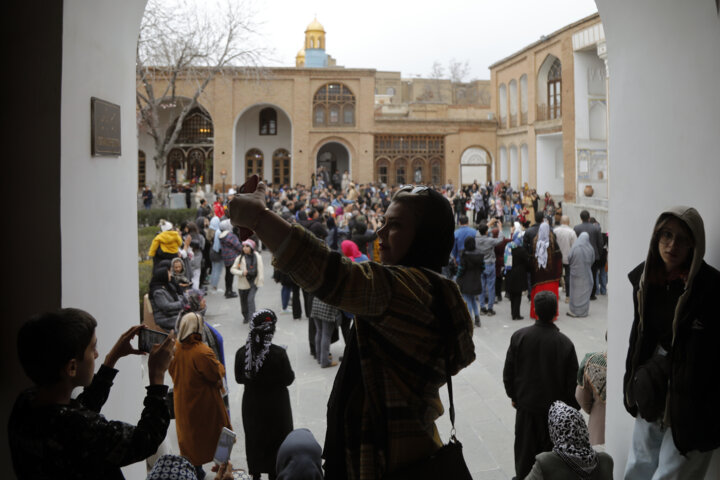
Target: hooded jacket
<point>694,383</point>
<point>168,241</point>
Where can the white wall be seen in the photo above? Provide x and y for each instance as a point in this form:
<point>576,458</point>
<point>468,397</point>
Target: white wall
<point>547,149</point>
<point>657,158</point>
<point>98,208</point>
<point>247,136</point>
<point>589,72</point>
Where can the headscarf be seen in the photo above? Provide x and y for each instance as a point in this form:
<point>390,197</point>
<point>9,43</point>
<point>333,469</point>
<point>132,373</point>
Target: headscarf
<point>299,457</point>
<point>262,329</point>
<point>225,225</point>
<point>582,246</point>
<point>172,266</point>
<point>350,249</point>
<point>571,440</point>
<point>173,467</point>
<point>215,225</point>
<point>542,243</point>
<point>190,323</point>
<point>160,280</point>
<point>165,225</point>
<point>594,367</point>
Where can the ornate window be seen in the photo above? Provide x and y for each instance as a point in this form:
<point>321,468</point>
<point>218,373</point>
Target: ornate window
<point>400,171</point>
<point>253,163</point>
<point>141,170</point>
<point>436,171</point>
<point>197,128</point>
<point>338,102</point>
<point>175,162</point>
<point>383,170</point>
<point>418,171</point>
<point>554,84</point>
<point>196,166</point>
<point>268,121</point>
<point>281,167</point>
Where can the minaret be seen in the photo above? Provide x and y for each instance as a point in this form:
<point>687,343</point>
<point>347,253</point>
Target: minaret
<point>315,56</point>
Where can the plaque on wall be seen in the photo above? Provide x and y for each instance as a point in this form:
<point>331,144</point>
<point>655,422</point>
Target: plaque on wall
<point>105,128</point>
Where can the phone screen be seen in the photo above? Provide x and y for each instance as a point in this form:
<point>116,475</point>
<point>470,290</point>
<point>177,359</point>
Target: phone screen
<point>148,338</point>
<point>224,446</point>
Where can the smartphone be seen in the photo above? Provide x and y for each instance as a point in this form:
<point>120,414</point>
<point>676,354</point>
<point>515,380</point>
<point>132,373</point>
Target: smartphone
<point>248,187</point>
<point>224,446</point>
<point>148,338</point>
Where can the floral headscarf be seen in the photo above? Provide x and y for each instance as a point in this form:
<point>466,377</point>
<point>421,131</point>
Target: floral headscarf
<point>571,440</point>
<point>542,244</point>
<point>262,329</point>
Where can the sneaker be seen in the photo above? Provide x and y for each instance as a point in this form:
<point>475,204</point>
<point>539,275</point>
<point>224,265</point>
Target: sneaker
<point>285,311</point>
<point>491,312</point>
<point>483,310</point>
<point>331,364</point>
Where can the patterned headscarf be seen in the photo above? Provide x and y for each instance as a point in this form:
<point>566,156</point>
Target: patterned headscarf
<point>571,440</point>
<point>542,243</point>
<point>594,367</point>
<point>262,329</point>
<point>172,467</point>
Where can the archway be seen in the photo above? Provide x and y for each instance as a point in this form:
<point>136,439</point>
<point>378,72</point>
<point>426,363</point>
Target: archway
<point>475,164</point>
<point>334,157</point>
<point>266,129</point>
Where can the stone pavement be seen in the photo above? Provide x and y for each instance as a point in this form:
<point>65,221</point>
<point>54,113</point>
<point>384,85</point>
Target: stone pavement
<point>485,418</point>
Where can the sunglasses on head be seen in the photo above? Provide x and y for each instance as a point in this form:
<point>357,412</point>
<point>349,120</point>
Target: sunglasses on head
<point>414,189</point>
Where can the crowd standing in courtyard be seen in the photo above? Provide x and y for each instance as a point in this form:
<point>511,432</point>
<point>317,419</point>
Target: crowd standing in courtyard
<point>366,259</point>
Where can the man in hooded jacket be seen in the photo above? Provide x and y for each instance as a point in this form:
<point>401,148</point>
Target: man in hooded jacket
<point>671,383</point>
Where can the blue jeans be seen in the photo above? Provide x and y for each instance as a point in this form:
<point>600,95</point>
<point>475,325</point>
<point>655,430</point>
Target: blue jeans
<point>285,292</point>
<point>653,455</point>
<point>217,269</point>
<point>488,285</point>
<point>323,338</point>
<point>472,304</point>
<point>601,281</point>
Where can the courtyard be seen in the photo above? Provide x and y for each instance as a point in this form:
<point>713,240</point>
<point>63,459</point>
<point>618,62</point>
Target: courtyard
<point>485,419</point>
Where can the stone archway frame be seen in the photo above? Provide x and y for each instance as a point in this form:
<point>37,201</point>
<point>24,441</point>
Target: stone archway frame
<point>236,174</point>
<point>334,139</point>
<point>466,159</point>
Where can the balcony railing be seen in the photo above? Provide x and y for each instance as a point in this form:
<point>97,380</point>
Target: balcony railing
<point>547,113</point>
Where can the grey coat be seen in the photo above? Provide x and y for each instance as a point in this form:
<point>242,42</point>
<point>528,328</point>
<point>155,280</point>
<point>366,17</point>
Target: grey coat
<point>549,466</point>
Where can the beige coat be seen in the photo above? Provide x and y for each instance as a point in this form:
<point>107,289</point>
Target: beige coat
<point>239,269</point>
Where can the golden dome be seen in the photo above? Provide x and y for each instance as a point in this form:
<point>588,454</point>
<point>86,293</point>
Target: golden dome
<point>315,26</point>
<point>301,53</point>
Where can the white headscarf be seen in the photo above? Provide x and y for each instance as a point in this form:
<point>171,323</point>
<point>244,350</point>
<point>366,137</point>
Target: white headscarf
<point>542,243</point>
<point>165,225</point>
<point>190,323</point>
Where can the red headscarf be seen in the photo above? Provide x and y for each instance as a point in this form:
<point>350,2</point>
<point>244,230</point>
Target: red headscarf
<point>350,249</point>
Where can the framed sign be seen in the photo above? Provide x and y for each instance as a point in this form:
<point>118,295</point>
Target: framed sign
<point>105,128</point>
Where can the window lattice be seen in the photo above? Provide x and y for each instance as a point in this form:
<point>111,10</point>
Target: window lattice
<point>175,162</point>
<point>253,163</point>
<point>424,150</point>
<point>268,121</point>
<point>197,128</point>
<point>333,105</point>
<point>281,167</point>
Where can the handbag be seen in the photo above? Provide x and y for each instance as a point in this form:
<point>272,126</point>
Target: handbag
<point>448,461</point>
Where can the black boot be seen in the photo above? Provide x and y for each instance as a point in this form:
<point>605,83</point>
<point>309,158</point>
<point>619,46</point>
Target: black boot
<point>477,320</point>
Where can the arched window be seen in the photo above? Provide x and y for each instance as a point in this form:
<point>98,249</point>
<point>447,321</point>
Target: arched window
<point>554,85</point>
<point>197,128</point>
<point>436,171</point>
<point>141,170</point>
<point>502,99</point>
<point>175,162</point>
<point>268,121</point>
<point>390,91</point>
<point>400,171</point>
<point>513,102</point>
<point>281,167</point>
<point>418,171</point>
<point>253,163</point>
<point>339,103</point>
<point>523,100</point>
<point>383,168</point>
<point>196,166</point>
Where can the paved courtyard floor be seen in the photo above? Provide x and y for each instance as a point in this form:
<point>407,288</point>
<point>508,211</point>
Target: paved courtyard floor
<point>485,418</point>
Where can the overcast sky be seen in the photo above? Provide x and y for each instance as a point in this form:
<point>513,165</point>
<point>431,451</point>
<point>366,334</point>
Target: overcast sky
<point>409,36</point>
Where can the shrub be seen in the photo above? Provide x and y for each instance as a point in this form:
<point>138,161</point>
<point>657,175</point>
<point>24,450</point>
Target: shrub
<point>153,216</point>
<point>145,269</point>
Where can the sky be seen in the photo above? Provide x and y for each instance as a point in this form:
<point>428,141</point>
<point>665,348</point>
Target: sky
<point>410,36</point>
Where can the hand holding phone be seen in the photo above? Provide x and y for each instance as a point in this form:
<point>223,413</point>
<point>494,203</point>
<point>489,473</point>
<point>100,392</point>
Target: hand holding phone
<point>248,187</point>
<point>224,446</point>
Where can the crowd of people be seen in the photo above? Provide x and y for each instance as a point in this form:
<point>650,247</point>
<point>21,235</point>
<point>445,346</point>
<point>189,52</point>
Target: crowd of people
<point>403,275</point>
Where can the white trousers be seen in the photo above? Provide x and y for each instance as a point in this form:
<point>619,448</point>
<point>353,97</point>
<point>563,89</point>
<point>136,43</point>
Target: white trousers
<point>653,456</point>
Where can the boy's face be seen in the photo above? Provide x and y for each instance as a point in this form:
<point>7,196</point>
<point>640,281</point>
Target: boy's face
<point>86,366</point>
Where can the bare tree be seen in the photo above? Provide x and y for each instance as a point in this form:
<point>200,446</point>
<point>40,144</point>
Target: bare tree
<point>192,43</point>
<point>458,70</point>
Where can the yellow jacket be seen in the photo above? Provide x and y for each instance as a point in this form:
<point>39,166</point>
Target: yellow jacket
<point>170,242</point>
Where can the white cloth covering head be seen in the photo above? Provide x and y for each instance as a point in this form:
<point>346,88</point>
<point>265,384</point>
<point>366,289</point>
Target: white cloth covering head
<point>542,243</point>
<point>165,225</point>
<point>190,323</point>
